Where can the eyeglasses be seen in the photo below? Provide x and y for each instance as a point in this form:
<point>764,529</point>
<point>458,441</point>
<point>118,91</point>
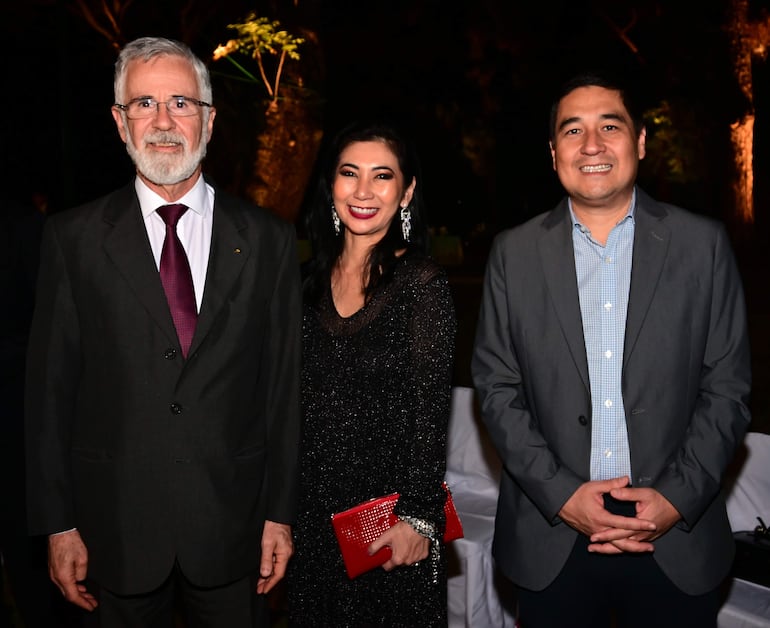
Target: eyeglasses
<point>177,107</point>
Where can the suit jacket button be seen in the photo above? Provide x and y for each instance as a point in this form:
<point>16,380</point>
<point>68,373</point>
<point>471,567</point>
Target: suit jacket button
<point>169,354</point>
<point>582,420</point>
<point>175,408</point>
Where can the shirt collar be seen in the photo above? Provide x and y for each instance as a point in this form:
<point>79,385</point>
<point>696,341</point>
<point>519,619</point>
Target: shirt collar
<point>196,198</point>
<point>629,214</point>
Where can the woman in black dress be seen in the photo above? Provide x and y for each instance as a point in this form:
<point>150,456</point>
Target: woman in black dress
<point>378,333</point>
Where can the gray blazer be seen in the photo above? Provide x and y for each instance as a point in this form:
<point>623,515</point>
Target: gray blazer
<point>153,457</point>
<point>686,381</point>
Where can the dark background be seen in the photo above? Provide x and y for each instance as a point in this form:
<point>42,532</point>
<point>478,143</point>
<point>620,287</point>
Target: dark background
<point>472,80</point>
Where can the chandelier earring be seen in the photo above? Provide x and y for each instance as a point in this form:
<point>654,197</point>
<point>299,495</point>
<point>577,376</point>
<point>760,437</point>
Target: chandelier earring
<point>406,222</point>
<point>335,220</point>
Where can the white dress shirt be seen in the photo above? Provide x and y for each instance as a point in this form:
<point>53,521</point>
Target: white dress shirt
<point>193,229</point>
<point>604,279</point>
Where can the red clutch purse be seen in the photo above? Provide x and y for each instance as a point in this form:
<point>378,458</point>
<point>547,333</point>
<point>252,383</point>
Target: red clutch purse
<point>357,527</point>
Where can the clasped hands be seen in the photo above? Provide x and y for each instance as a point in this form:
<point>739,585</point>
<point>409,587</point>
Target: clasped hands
<point>616,534</point>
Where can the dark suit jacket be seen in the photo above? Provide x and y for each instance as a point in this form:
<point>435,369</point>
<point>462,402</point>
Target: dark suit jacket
<point>151,456</point>
<point>686,380</point>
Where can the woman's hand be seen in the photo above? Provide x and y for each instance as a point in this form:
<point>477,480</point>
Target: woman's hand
<point>406,545</point>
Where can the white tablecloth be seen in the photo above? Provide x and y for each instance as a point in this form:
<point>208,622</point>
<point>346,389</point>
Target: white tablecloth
<point>748,497</point>
<point>747,606</point>
<point>477,597</point>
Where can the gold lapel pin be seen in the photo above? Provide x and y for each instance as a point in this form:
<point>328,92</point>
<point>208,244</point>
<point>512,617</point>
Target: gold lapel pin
<point>236,250</point>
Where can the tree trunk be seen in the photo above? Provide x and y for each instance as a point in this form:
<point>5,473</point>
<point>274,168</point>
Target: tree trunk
<point>742,139</point>
<point>742,130</point>
<point>286,154</point>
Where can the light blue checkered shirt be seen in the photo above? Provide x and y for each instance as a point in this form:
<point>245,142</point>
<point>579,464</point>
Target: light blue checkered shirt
<point>604,278</point>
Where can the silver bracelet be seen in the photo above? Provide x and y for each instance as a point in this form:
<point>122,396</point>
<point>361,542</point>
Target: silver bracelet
<point>430,532</point>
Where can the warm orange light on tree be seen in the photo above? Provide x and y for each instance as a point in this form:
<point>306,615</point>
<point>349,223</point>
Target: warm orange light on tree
<point>742,139</point>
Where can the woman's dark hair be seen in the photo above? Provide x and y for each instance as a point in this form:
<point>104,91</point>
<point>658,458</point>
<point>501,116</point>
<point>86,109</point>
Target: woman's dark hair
<point>326,244</point>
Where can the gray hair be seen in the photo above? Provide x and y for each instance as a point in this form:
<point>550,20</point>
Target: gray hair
<point>147,48</point>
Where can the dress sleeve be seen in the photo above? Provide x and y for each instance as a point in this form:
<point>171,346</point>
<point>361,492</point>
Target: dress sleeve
<point>432,328</point>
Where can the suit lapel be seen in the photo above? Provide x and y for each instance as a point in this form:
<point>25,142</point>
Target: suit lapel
<point>558,262</point>
<point>128,246</point>
<point>228,254</point>
<point>651,240</point>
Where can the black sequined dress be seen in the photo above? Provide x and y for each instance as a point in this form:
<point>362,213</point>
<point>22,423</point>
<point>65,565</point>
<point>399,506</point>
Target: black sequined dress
<point>376,392</point>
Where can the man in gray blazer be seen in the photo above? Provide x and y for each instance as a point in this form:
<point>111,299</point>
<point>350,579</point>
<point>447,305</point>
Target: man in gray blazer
<point>612,365</point>
<point>162,456</point>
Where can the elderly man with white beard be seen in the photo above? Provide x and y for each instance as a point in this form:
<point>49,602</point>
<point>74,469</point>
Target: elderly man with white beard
<point>162,406</point>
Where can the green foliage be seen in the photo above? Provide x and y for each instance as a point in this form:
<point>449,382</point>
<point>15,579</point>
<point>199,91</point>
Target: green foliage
<point>672,142</point>
<point>257,37</point>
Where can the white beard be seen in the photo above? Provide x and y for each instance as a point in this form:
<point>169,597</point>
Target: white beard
<point>162,168</point>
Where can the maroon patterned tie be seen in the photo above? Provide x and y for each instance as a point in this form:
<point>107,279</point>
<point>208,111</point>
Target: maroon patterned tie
<point>176,278</point>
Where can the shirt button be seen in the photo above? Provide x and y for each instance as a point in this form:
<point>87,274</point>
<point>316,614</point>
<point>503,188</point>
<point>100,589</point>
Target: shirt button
<point>608,306</point>
<point>608,354</point>
<point>175,408</point>
<point>608,260</point>
<point>608,403</point>
<point>608,453</point>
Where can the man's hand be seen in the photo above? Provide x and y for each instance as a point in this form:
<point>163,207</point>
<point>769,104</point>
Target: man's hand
<point>651,505</point>
<point>585,512</point>
<point>68,566</point>
<point>277,548</point>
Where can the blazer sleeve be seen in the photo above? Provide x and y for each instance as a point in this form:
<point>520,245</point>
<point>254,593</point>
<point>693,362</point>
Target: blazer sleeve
<point>52,372</point>
<point>282,362</point>
<point>500,383</point>
<point>721,414</point>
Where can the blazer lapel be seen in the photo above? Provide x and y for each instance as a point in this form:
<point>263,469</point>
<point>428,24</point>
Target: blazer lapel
<point>228,254</point>
<point>128,246</point>
<point>558,260</point>
<point>651,240</point>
